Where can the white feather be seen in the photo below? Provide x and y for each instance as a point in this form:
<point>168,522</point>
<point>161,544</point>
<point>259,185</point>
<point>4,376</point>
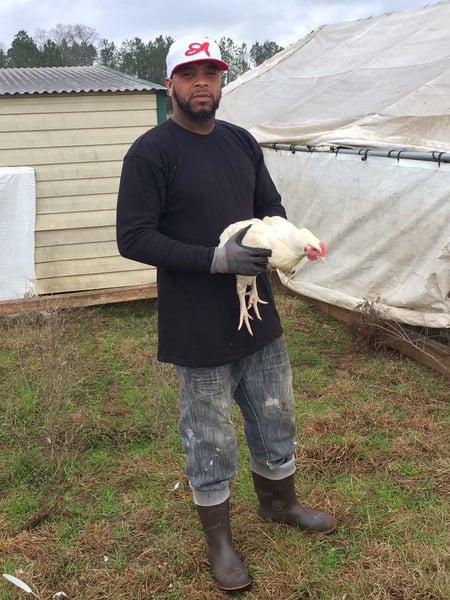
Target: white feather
<point>19,583</point>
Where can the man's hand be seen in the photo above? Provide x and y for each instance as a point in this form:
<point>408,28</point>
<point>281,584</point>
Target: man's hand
<point>234,257</point>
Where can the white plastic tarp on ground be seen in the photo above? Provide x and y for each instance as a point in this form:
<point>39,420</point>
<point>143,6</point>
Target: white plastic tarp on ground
<point>17,218</point>
<point>382,82</point>
<point>386,225</point>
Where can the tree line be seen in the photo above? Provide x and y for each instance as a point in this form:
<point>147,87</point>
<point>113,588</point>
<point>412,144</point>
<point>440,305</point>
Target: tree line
<point>79,45</point>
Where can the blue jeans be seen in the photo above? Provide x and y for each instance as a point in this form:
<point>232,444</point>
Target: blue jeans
<point>261,384</point>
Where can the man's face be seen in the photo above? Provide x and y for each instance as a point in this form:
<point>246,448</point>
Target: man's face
<point>196,90</point>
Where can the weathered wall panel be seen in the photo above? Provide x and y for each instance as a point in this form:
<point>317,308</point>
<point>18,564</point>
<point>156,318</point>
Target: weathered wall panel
<point>76,143</point>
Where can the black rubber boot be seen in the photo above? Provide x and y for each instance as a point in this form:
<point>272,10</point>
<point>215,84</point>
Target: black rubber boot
<point>227,568</point>
<point>278,502</point>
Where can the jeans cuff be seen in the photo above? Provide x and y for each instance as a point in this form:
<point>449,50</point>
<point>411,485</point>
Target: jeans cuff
<point>274,472</point>
<point>211,497</point>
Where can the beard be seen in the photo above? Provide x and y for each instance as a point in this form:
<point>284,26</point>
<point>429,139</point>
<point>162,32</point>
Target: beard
<point>199,115</point>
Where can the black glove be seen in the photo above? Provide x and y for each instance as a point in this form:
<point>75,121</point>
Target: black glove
<point>235,258</point>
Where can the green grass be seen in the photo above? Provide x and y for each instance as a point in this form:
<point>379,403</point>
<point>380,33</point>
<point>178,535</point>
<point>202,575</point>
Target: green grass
<point>93,496</point>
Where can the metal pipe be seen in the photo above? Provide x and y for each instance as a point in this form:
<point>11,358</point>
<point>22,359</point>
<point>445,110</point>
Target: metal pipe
<point>434,156</point>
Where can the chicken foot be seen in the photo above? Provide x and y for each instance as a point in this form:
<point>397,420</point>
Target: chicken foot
<point>253,301</point>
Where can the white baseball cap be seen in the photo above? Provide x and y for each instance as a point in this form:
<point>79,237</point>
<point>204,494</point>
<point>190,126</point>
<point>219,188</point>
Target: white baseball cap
<point>193,48</point>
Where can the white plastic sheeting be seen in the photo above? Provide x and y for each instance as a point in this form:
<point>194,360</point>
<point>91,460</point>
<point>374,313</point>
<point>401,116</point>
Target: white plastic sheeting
<point>386,225</point>
<point>380,82</point>
<point>376,83</point>
<point>17,218</point>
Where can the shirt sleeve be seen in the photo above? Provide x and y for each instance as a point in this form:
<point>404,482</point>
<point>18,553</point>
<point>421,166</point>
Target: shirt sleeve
<point>140,202</point>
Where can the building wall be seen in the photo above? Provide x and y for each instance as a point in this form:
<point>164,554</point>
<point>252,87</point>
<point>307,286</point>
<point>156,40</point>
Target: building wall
<point>76,143</point>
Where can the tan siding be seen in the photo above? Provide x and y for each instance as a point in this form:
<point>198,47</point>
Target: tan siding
<point>15,157</point>
<point>75,251</point>
<point>76,143</point>
<point>64,103</point>
<point>83,187</point>
<point>73,121</point>
<point>74,138</point>
<point>75,220</point>
<point>97,281</point>
<point>75,170</point>
<point>77,203</point>
<point>74,236</point>
<point>86,266</point>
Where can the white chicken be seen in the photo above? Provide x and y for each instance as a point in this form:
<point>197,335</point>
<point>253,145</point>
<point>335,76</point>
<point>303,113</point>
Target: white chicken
<point>289,245</point>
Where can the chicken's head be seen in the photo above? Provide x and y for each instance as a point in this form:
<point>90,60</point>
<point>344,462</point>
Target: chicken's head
<point>315,252</point>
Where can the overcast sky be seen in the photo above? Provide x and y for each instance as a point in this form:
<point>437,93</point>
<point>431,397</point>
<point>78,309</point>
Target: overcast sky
<point>249,21</point>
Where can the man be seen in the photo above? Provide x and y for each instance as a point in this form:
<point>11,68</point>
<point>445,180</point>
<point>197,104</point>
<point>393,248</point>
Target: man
<point>182,183</point>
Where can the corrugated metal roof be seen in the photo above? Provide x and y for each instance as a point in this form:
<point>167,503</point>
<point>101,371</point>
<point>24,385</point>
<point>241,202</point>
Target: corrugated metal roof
<point>58,80</point>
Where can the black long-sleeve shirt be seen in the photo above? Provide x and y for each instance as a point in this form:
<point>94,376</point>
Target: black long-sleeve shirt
<point>178,192</point>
